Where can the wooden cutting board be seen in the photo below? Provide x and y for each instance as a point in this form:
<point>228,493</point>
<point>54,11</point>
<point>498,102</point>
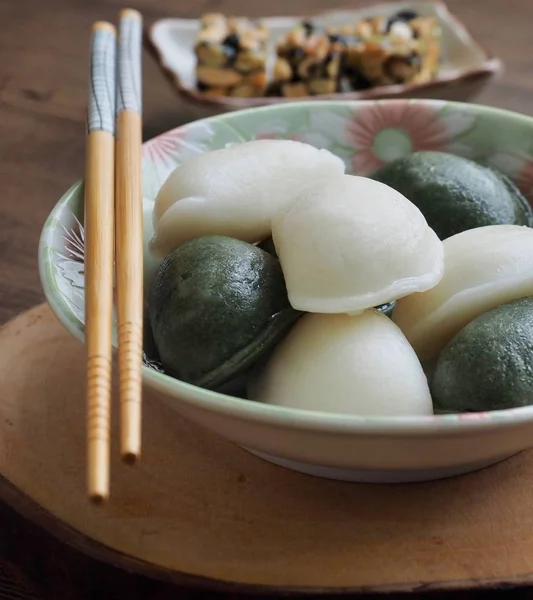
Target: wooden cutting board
<point>201,511</point>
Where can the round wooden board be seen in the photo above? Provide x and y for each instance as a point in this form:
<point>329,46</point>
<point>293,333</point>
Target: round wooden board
<point>201,511</point>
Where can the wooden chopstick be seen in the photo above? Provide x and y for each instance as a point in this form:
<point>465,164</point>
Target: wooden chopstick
<point>129,232</point>
<point>99,237</point>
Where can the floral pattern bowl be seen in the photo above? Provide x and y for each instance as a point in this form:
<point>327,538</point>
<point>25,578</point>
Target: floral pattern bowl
<point>365,135</point>
<point>466,67</point>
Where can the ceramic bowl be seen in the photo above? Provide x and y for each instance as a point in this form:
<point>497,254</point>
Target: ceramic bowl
<point>466,67</point>
<point>365,135</point>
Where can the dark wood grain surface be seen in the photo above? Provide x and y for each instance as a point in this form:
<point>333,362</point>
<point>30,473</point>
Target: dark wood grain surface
<point>43,58</point>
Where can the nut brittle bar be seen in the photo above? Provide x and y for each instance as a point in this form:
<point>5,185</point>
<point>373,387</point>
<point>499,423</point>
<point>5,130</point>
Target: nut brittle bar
<point>231,56</point>
<point>403,48</point>
<point>307,64</point>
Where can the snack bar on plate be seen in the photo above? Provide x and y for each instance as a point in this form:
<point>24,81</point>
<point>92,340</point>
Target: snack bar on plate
<point>404,48</point>
<point>231,56</point>
<point>308,63</point>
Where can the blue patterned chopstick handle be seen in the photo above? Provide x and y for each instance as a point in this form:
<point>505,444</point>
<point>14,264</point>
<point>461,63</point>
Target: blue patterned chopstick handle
<point>101,110</point>
<point>129,92</point>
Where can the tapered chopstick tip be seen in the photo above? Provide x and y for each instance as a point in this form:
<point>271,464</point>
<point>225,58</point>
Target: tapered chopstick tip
<point>130,458</point>
<point>98,498</point>
<point>130,13</point>
<point>104,26</point>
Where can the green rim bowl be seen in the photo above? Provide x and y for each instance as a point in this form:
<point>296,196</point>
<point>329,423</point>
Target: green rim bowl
<point>366,135</point>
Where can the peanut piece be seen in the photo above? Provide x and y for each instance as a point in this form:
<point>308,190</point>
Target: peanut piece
<point>211,55</point>
<point>249,61</point>
<point>322,86</point>
<point>294,90</point>
<point>217,77</point>
<point>282,70</point>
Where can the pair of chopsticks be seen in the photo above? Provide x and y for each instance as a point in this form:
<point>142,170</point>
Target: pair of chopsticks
<point>113,234</point>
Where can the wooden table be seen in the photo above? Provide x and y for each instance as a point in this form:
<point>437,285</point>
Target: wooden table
<point>43,82</point>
